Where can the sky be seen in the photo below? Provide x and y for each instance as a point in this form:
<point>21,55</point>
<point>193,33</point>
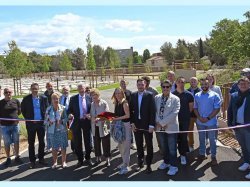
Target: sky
<point>52,27</point>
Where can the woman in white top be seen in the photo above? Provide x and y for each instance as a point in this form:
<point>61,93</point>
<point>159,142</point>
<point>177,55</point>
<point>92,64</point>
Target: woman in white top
<point>100,128</point>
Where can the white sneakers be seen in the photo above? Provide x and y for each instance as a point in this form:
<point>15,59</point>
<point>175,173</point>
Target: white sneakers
<point>54,166</point>
<point>172,170</point>
<point>248,176</point>
<point>123,170</point>
<point>183,160</point>
<point>244,167</point>
<point>64,165</point>
<point>163,166</point>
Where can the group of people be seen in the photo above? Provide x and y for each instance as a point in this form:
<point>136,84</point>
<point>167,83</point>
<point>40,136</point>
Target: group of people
<point>171,114</point>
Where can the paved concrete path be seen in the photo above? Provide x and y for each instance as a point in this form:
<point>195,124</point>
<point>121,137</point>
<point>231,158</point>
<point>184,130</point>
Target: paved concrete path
<point>226,170</point>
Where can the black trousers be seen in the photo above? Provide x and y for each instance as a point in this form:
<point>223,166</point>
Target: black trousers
<point>34,129</point>
<point>82,130</point>
<point>182,140</point>
<point>140,150</point>
<point>105,144</point>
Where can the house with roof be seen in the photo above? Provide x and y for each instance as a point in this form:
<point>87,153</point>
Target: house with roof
<point>124,54</point>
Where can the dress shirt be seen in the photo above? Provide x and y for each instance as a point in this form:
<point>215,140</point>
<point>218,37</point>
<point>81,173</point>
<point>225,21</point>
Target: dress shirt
<point>82,113</point>
<point>66,104</point>
<point>205,103</point>
<point>37,109</point>
<point>140,95</point>
<point>240,113</point>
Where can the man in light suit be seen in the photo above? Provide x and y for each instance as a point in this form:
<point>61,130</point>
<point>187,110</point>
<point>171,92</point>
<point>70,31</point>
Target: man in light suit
<point>79,107</point>
<point>65,98</point>
<point>167,109</point>
<point>142,108</point>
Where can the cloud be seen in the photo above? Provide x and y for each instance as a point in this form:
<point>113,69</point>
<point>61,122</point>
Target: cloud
<point>69,31</point>
<point>125,25</point>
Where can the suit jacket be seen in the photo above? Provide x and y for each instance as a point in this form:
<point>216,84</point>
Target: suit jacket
<point>74,107</point>
<point>28,109</point>
<point>147,110</point>
<point>232,110</point>
<point>170,115</point>
<point>61,101</point>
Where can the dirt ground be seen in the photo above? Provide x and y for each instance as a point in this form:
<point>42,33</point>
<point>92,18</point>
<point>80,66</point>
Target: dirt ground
<point>23,145</point>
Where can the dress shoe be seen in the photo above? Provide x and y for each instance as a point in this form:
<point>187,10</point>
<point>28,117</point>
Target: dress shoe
<point>214,161</point>
<point>7,162</point>
<point>148,170</point>
<point>139,167</point>
<point>89,162</point>
<point>18,160</point>
<point>42,162</point>
<point>79,164</point>
<point>32,165</point>
<point>202,157</point>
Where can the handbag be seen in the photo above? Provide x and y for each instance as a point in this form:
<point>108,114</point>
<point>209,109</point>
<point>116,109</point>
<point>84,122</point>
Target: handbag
<point>70,134</point>
<point>118,132</point>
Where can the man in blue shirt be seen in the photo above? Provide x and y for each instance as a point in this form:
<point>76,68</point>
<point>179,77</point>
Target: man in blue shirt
<point>206,106</point>
<point>33,107</point>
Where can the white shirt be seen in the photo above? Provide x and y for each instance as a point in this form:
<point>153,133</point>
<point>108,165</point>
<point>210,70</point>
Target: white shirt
<point>140,94</point>
<point>67,101</point>
<point>80,99</point>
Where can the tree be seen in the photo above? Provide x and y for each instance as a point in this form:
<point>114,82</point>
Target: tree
<point>168,52</point>
<point>16,63</point>
<point>181,51</point>
<point>146,55</point>
<point>2,67</point>
<point>201,53</point>
<point>137,58</point>
<point>65,64</point>
<point>98,55</point>
<point>193,51</point>
<point>112,60</point>
<point>79,59</point>
<point>91,65</point>
<point>46,61</point>
<point>226,39</point>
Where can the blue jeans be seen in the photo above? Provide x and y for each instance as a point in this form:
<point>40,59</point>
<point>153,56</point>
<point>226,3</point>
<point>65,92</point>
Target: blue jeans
<point>10,135</point>
<point>243,137</point>
<point>168,144</point>
<point>211,137</point>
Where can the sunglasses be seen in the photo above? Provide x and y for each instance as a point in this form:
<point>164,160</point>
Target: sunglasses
<point>7,92</point>
<point>165,86</point>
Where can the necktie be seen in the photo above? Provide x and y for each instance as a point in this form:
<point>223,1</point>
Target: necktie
<point>84,107</point>
<point>64,102</point>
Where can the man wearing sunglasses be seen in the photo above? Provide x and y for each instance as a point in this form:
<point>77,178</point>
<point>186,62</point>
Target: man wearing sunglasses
<point>244,73</point>
<point>167,109</point>
<point>10,108</point>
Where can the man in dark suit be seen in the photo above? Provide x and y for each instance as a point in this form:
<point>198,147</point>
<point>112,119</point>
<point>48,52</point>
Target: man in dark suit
<point>238,114</point>
<point>79,107</point>
<point>33,107</point>
<point>142,108</point>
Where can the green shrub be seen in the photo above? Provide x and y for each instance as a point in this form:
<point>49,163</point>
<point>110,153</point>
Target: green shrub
<point>23,130</point>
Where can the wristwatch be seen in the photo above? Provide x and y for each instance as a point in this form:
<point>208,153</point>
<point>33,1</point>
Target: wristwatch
<point>208,118</point>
